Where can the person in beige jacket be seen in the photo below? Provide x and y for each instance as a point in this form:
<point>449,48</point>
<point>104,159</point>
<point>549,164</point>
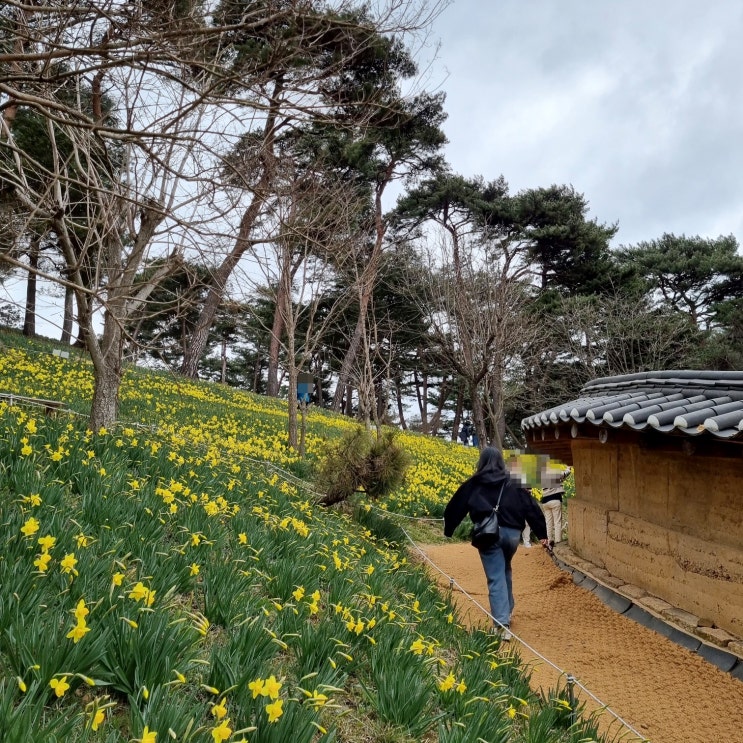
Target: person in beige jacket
<point>552,504</point>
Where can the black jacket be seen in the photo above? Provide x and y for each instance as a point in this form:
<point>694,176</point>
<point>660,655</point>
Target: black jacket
<point>478,496</point>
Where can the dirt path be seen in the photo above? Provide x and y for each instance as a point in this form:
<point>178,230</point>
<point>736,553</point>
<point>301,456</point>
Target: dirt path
<point>667,693</point>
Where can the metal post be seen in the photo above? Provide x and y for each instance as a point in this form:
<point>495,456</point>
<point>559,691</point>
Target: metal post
<point>571,697</point>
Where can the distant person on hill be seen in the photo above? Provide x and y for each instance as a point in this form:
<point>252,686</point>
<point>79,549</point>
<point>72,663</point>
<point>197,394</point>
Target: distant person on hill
<point>465,432</point>
<point>478,496</point>
<point>552,505</point>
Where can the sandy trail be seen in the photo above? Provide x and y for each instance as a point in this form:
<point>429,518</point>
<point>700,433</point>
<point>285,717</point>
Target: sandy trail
<point>667,693</point>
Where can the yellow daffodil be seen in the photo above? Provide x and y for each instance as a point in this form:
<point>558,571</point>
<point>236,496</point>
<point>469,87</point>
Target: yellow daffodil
<point>274,710</point>
<point>97,719</point>
<point>272,687</point>
<point>148,736</point>
<point>256,687</point>
<point>219,710</point>
<point>78,632</point>
<point>30,527</point>
<point>46,543</point>
<point>141,593</point>
<point>42,562</point>
<point>68,564</point>
<point>317,699</point>
<point>222,732</point>
<point>60,686</point>
<point>417,647</point>
<point>194,570</point>
<point>81,611</point>
<point>448,683</point>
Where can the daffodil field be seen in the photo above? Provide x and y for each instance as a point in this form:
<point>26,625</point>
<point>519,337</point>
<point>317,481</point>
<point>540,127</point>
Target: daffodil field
<point>173,579</point>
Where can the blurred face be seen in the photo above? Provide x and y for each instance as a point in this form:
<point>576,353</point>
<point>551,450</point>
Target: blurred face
<point>516,471</point>
<point>553,477</point>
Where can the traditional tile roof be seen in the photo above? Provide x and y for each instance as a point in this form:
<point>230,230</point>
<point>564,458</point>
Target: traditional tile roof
<point>688,402</point>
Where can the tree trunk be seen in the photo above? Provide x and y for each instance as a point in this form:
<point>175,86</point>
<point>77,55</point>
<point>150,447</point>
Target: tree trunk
<point>108,368</point>
<point>274,347</point>
<point>400,408</point>
<point>382,401</point>
<point>478,419</point>
<point>257,372</point>
<point>303,430</point>
<point>349,401</point>
<point>318,381</point>
<point>277,329</point>
<point>344,375</point>
<point>421,392</point>
<point>223,375</point>
<point>29,320</point>
<point>457,415</point>
<point>436,417</point>
<point>293,409</point>
<point>69,306</point>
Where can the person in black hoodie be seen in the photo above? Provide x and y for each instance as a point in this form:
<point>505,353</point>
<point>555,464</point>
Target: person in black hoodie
<point>478,496</point>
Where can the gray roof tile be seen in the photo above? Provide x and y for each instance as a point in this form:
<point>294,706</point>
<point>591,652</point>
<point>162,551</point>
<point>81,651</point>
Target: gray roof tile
<point>687,401</point>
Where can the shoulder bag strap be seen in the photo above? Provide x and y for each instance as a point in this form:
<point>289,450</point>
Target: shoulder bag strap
<point>500,495</point>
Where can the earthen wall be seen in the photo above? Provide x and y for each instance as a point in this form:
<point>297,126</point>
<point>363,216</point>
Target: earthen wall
<point>667,522</point>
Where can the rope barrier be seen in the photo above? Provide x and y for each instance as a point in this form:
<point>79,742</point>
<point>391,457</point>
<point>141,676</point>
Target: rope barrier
<point>572,681</point>
<point>404,516</point>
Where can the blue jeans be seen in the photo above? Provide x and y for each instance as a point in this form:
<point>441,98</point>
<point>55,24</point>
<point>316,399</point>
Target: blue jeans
<point>496,561</point>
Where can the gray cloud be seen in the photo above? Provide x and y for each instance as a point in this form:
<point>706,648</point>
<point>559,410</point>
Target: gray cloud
<point>639,105</point>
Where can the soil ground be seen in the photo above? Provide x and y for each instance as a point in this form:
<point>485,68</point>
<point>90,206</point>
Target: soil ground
<point>665,692</point>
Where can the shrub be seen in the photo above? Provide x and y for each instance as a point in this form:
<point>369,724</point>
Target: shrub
<point>361,462</point>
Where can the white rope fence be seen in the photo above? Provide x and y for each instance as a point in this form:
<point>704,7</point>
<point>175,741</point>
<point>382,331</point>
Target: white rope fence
<point>571,680</point>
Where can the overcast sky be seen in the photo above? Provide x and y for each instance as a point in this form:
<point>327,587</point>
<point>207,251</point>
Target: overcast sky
<point>636,103</point>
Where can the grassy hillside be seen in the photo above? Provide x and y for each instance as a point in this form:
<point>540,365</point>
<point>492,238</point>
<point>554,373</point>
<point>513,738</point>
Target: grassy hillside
<point>173,579</point>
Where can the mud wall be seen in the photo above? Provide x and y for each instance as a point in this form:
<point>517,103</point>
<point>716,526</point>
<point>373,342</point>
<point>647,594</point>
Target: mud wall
<point>667,522</point>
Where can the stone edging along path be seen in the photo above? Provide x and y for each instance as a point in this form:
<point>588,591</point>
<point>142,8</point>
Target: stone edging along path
<point>677,625</point>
